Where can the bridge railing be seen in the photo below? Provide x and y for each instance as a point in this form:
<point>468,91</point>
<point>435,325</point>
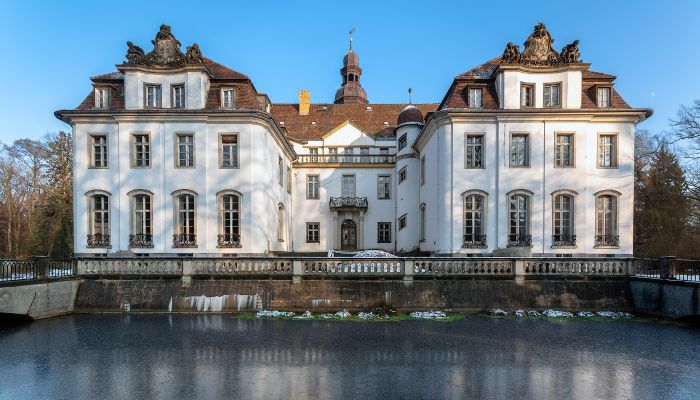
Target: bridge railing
<point>36,268</point>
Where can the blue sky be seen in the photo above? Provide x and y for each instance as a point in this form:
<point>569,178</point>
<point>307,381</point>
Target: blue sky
<point>50,50</point>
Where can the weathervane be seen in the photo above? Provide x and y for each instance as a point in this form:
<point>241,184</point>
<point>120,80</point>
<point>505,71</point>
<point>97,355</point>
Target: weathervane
<point>352,30</point>
<point>410,90</point>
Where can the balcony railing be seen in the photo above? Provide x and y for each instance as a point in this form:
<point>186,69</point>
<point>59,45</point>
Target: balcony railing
<point>563,240</point>
<point>607,241</point>
<point>141,240</point>
<point>474,241</point>
<point>348,202</point>
<point>98,240</point>
<point>184,240</point>
<point>519,240</point>
<point>346,159</point>
<point>228,240</point>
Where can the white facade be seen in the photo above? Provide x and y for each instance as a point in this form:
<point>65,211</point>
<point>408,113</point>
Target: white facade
<point>420,185</point>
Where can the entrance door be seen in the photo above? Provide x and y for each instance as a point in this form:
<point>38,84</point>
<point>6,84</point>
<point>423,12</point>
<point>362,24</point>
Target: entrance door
<point>348,235</point>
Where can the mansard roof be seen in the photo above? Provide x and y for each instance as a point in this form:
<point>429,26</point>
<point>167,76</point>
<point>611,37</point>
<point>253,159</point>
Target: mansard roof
<point>376,120</point>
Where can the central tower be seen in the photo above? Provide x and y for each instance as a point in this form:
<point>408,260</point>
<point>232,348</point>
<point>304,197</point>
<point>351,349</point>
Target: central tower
<point>351,92</point>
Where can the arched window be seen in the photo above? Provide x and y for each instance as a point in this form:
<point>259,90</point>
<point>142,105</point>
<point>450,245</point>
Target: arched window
<point>229,219</point>
<point>98,219</point>
<point>422,222</point>
<point>141,233</point>
<point>474,219</point>
<point>280,222</point>
<point>519,219</point>
<point>563,219</point>
<point>185,234</point>
<point>606,234</point>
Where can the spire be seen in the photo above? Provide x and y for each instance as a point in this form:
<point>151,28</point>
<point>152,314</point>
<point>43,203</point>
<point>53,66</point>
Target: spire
<point>350,90</point>
<point>410,90</point>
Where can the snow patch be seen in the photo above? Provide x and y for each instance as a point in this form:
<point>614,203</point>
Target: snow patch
<point>273,314</point>
<point>428,315</point>
<point>499,313</point>
<point>614,314</point>
<point>557,314</point>
<point>584,314</point>
<point>373,254</point>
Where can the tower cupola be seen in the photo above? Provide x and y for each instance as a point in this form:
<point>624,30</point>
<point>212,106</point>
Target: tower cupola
<point>351,90</point>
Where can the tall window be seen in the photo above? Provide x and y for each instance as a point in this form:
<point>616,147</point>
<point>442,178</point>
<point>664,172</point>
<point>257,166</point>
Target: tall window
<point>280,223</point>
<point>98,224</point>
<point>289,180</point>
<point>230,220</point>
<point>475,98</point>
<point>98,151</point>
<point>474,221</point>
<point>422,222</point>
<point>564,150</point>
<point>383,232</point>
<point>474,148</point>
<point>312,182</point>
<point>178,100</point>
<point>563,221</point>
<point>519,151</point>
<point>313,234</point>
<point>607,151</point>
<point>552,95</point>
<point>185,228</point>
<point>383,187</point>
<point>402,175</point>
<point>364,151</point>
<point>527,95</point>
<point>152,96</point>
<point>185,150</point>
<point>402,221</point>
<point>141,150</point>
<point>422,170</point>
<point>606,221</point>
<point>228,98</point>
<point>348,186</point>
<point>101,98</point>
<point>229,151</point>
<point>604,98</point>
<point>280,169</point>
<point>402,142</point>
<point>519,210</point>
<point>141,229</point>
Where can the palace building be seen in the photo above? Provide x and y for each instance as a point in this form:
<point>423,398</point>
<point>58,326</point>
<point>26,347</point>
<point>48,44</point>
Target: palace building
<point>530,153</point>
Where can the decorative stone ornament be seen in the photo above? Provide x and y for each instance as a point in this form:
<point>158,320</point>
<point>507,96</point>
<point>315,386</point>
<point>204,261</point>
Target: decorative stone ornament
<point>166,52</point>
<point>539,51</point>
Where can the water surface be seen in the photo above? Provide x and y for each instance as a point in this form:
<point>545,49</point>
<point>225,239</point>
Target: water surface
<point>220,356</point>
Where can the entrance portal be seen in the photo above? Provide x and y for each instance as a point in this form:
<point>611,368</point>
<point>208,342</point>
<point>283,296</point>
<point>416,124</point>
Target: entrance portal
<point>348,235</point>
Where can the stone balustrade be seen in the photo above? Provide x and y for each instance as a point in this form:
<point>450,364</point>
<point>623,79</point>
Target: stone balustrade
<point>577,267</point>
<point>129,266</point>
<point>463,267</point>
<point>387,267</point>
<point>242,266</point>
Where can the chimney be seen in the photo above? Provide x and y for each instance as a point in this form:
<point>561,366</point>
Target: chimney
<point>304,102</point>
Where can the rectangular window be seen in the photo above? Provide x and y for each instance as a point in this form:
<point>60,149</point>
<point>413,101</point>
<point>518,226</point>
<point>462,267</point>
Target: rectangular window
<point>229,151</point>
<point>422,223</point>
<point>141,230</point>
<point>364,151</point>
<point>422,170</point>
<point>552,95</point>
<point>280,169</point>
<point>185,150</point>
<point>475,98</point>
<point>607,151</point>
<point>312,182</point>
<point>402,221</point>
<point>519,151</point>
<point>289,180</point>
<point>564,150</point>
<point>152,96</point>
<point>527,95</point>
<point>178,100</point>
<point>383,187</point>
<point>383,232</point>
<point>604,98</point>
<point>313,232</point>
<point>98,151</point>
<point>402,142</point>
<point>563,221</point>
<point>228,98</point>
<point>473,151</point>
<point>141,150</point>
<point>474,221</point>
<point>606,219</point>
<point>402,175</point>
<point>101,98</point>
<point>348,186</point>
<point>185,229</point>
<point>230,221</point>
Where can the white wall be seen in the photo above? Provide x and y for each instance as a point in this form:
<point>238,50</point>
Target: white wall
<point>196,88</point>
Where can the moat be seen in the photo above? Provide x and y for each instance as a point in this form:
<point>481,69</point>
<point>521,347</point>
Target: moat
<point>221,356</point>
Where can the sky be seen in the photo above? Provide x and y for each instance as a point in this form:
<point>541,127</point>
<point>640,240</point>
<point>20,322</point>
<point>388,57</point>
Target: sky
<point>50,49</point>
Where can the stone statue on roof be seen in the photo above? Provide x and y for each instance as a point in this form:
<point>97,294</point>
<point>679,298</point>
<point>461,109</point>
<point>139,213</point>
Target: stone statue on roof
<point>538,48</point>
<point>193,54</point>
<point>570,53</point>
<point>135,54</point>
<point>511,54</point>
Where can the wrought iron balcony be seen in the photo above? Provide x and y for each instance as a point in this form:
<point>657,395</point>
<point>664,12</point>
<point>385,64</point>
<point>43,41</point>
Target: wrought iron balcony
<point>474,240</point>
<point>98,240</point>
<point>519,240</point>
<point>607,241</point>
<point>228,240</point>
<point>348,202</point>
<point>143,240</point>
<point>563,240</point>
<point>184,240</point>
<point>346,159</point>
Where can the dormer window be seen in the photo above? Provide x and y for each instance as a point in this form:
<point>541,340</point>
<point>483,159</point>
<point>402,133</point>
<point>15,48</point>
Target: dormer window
<point>552,95</point>
<point>178,100</point>
<point>604,98</point>
<point>527,95</point>
<point>228,98</point>
<point>101,97</point>
<point>152,96</point>
<point>475,98</point>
